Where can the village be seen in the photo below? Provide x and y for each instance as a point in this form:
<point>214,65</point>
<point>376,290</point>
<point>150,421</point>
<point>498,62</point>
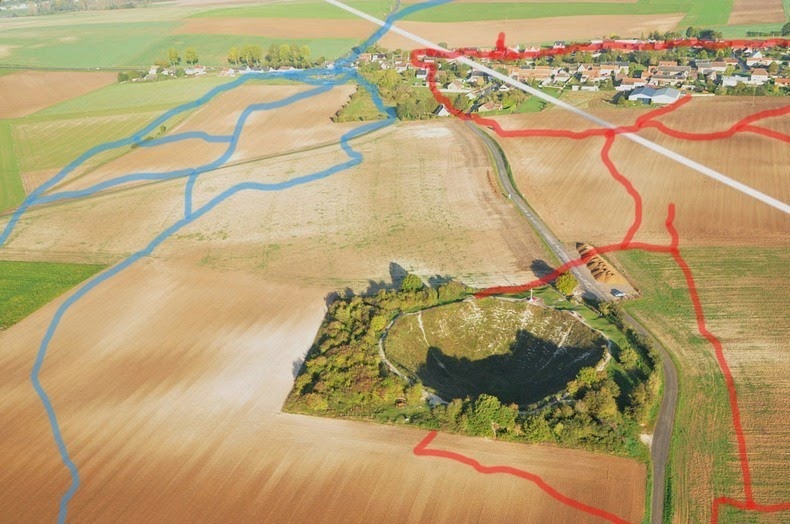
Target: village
<point>629,72</point>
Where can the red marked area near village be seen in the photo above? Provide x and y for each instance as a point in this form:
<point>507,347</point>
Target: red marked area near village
<point>423,58</point>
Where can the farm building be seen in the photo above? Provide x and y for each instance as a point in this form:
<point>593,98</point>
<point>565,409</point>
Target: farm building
<point>649,95</point>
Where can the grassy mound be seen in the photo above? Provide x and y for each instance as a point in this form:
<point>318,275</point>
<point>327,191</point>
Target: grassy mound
<point>518,352</point>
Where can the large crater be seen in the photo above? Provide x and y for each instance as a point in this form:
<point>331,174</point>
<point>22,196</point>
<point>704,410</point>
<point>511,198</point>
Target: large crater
<point>517,351</point>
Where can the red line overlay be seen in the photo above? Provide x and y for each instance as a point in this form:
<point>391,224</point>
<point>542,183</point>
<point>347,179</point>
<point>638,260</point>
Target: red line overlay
<point>418,58</point>
<point>421,450</point>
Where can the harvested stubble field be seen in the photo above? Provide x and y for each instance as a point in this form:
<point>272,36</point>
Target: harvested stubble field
<point>530,31</point>
<point>738,288</point>
<point>167,379</point>
<point>30,91</point>
<point>266,134</point>
<point>558,175</point>
<point>756,12</point>
<point>275,28</point>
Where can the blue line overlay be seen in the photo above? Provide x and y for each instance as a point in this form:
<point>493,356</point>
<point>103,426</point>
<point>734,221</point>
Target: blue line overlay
<point>322,78</point>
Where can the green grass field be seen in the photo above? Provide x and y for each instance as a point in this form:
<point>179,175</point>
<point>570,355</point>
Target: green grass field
<point>51,144</point>
<point>26,286</point>
<point>121,99</point>
<point>213,49</point>
<point>301,9</point>
<point>88,46</point>
<point>11,191</point>
<point>698,13</point>
<point>740,290</point>
<point>135,45</point>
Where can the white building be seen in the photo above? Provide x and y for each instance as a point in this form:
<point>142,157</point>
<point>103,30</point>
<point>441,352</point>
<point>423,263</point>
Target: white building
<point>649,95</point>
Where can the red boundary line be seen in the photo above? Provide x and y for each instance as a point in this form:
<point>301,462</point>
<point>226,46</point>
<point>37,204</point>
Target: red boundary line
<point>647,120</point>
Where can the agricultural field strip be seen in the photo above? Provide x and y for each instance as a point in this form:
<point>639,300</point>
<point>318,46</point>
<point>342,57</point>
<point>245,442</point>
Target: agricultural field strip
<point>341,74</point>
<point>696,166</point>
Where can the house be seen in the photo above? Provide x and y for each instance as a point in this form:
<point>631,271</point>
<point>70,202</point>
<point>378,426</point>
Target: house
<point>667,63</point>
<point>153,70</point>
<point>628,84</point>
<point>731,81</point>
<point>456,86</point>
<point>758,77</point>
<point>421,74</point>
<point>755,59</point>
<point>649,95</point>
<point>614,68</point>
<point>477,77</point>
<point>782,82</point>
<point>401,66</point>
<point>561,76</point>
<point>441,110</point>
<point>489,106</point>
<point>559,44</point>
<point>195,70</point>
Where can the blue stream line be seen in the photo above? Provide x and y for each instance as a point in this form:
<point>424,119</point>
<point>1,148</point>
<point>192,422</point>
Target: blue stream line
<point>324,79</point>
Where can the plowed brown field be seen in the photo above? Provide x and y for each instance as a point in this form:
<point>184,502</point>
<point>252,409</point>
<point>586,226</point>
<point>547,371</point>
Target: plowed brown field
<point>571,189</point>
<point>167,379</point>
<point>26,92</point>
<point>484,33</point>
<point>756,12</point>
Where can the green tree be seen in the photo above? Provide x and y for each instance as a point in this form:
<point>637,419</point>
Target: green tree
<point>411,283</point>
<point>773,68</point>
<point>190,55</point>
<point>304,55</point>
<point>537,429</point>
<point>233,55</point>
<point>629,358</point>
<point>786,29</point>
<point>566,283</point>
<point>173,56</point>
<point>488,416</point>
<point>123,77</point>
<point>284,53</point>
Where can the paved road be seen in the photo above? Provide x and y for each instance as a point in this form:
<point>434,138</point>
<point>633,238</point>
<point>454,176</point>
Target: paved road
<point>662,435</point>
<point>582,274</point>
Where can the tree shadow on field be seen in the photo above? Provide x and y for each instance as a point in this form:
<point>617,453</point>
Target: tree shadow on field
<point>540,268</point>
<point>437,281</point>
<point>397,274</point>
<point>330,298</point>
<point>296,367</point>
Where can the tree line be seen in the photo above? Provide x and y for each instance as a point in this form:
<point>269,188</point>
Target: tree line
<point>278,55</point>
